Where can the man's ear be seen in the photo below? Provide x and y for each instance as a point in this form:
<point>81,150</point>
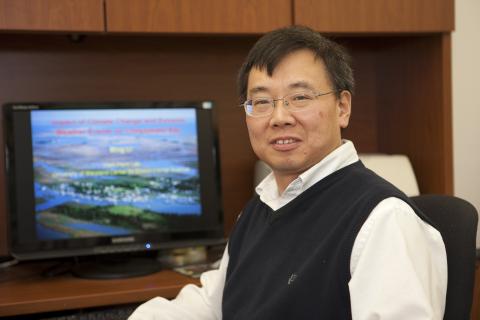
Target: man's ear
<point>344,108</point>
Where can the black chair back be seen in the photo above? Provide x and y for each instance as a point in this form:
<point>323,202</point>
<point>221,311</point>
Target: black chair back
<point>456,220</point>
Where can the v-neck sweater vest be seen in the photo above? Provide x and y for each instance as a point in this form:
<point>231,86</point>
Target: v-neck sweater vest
<point>294,263</point>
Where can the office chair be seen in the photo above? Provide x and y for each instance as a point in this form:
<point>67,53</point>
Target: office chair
<point>456,220</point>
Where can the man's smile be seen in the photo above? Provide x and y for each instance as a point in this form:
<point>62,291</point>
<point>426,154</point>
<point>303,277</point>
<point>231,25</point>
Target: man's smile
<point>284,143</point>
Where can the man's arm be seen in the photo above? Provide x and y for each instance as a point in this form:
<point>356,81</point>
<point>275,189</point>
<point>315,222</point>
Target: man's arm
<point>398,266</point>
<point>199,303</point>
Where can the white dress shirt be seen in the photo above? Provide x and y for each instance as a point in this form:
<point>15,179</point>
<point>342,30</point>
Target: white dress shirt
<point>398,263</point>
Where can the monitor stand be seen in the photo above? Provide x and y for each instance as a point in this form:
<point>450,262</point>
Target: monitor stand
<point>115,266</point>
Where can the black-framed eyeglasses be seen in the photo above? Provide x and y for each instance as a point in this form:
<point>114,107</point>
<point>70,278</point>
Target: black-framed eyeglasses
<point>294,102</point>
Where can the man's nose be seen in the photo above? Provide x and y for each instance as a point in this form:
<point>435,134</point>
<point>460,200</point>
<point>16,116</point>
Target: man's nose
<point>281,115</point>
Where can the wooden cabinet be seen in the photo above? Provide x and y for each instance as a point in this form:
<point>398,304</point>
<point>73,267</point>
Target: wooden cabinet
<point>401,61</point>
<point>402,103</point>
<point>362,16</point>
<point>52,15</point>
<point>401,53</point>
<point>145,16</point>
<point>193,16</point>
<point>226,17</point>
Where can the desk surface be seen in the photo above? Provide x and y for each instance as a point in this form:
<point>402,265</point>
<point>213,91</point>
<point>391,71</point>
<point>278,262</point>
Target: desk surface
<point>23,290</point>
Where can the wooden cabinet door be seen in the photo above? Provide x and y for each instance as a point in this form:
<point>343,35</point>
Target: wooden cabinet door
<point>52,15</point>
<point>194,16</point>
<point>353,16</point>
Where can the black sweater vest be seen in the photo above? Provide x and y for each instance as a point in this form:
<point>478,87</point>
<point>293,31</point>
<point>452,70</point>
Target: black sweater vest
<point>295,263</point>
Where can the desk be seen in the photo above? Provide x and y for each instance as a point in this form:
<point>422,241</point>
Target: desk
<point>23,290</point>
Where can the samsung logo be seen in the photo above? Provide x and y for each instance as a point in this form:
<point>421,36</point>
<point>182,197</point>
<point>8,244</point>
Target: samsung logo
<point>123,240</point>
<point>25,107</point>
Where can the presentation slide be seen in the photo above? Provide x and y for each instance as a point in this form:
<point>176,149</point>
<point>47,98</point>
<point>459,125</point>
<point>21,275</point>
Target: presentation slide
<point>113,171</point>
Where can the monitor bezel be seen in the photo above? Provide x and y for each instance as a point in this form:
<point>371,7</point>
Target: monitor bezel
<point>209,169</point>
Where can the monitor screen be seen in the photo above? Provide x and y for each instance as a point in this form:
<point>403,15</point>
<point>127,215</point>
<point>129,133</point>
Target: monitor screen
<point>92,178</point>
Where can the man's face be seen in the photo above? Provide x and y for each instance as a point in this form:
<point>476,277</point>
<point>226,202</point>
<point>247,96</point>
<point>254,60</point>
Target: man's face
<point>292,142</point>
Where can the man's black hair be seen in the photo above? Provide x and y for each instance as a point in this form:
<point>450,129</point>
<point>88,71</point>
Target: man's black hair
<point>275,45</point>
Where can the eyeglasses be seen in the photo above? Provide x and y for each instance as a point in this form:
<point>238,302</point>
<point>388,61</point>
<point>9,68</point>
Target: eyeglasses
<point>295,102</point>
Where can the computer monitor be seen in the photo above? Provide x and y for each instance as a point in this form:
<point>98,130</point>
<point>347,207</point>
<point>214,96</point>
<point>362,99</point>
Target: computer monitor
<point>97,178</point>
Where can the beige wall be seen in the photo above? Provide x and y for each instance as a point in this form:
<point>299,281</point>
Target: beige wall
<point>466,101</point>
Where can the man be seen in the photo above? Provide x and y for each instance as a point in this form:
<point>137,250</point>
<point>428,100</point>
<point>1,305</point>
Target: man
<point>325,238</point>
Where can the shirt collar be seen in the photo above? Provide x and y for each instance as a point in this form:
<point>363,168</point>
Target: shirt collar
<point>341,157</point>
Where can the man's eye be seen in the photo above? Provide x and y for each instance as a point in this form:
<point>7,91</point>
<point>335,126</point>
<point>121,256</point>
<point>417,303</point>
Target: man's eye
<point>261,102</point>
<point>302,97</point>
